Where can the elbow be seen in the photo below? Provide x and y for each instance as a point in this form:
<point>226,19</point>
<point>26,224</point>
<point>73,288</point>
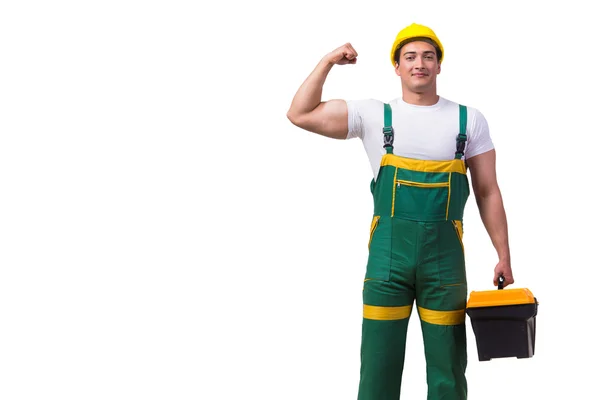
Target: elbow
<point>481,196</point>
<point>295,118</point>
<point>291,117</point>
<point>487,194</point>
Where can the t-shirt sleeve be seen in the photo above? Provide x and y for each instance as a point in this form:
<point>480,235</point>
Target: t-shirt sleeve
<point>479,140</point>
<point>356,126</point>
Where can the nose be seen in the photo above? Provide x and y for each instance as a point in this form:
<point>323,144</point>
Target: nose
<point>418,62</point>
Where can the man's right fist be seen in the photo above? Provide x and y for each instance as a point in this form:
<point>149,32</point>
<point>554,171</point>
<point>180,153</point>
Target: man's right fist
<point>342,55</point>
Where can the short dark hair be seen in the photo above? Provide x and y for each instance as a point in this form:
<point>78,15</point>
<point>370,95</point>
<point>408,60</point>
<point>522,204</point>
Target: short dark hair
<point>438,52</point>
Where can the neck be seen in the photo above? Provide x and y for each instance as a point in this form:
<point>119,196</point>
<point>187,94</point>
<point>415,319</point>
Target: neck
<point>427,98</point>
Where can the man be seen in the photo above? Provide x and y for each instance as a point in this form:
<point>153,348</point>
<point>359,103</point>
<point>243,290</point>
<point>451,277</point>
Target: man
<point>420,146</point>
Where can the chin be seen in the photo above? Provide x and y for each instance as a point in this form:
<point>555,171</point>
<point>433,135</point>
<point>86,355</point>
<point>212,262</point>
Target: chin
<point>420,88</point>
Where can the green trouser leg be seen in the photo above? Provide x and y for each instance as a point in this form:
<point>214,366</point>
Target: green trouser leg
<point>441,301</point>
<point>445,353</point>
<point>382,359</point>
<point>388,297</point>
<point>409,260</point>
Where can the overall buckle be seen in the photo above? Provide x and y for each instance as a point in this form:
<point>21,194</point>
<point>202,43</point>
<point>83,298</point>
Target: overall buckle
<point>461,141</point>
<point>388,136</point>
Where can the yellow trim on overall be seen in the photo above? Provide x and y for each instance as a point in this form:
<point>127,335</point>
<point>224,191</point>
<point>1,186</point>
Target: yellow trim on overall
<point>421,184</point>
<point>459,232</point>
<point>374,223</point>
<point>455,317</point>
<point>394,192</point>
<point>386,313</point>
<point>449,194</point>
<point>454,165</point>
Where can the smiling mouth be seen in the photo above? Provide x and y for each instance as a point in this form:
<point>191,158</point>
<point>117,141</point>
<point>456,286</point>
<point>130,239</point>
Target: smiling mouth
<point>419,75</point>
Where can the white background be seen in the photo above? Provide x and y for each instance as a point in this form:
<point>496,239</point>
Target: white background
<point>166,232</point>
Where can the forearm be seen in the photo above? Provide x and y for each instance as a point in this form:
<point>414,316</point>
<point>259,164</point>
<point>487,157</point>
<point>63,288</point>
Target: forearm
<point>493,216</point>
<point>308,96</point>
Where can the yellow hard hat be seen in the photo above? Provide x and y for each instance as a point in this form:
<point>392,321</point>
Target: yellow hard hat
<point>415,31</point>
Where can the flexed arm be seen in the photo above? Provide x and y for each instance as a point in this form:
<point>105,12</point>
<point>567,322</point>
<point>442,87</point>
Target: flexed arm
<point>309,112</point>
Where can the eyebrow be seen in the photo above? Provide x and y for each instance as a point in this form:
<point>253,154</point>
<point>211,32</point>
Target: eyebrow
<point>425,52</point>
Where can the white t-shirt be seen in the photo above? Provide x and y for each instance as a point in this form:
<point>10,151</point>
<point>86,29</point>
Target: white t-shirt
<point>422,132</point>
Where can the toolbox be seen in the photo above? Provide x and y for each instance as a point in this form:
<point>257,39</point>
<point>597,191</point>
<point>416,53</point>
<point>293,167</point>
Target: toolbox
<point>503,322</point>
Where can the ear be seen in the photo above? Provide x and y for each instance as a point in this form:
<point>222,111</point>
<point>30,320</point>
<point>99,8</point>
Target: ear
<point>439,68</point>
<point>397,69</point>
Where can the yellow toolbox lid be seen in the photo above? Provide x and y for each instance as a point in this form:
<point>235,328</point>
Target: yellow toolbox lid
<point>504,297</point>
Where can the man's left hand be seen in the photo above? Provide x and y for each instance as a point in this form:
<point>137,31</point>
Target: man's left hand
<point>503,268</point>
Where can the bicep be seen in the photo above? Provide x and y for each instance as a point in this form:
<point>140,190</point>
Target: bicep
<point>483,173</point>
<point>330,118</point>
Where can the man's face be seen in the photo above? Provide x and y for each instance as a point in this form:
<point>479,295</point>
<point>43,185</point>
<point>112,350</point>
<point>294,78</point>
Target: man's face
<point>418,67</point>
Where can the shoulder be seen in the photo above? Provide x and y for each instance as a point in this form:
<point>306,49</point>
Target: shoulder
<point>478,133</point>
<point>476,120</point>
<point>472,112</point>
<point>362,114</point>
<point>364,106</point>
<point>475,115</point>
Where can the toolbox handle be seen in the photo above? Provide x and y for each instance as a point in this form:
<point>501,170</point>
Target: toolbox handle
<point>500,282</point>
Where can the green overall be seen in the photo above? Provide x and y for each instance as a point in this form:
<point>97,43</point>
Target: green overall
<point>416,253</point>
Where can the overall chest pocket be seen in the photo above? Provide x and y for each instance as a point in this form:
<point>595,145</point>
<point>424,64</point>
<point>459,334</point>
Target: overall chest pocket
<point>421,201</point>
